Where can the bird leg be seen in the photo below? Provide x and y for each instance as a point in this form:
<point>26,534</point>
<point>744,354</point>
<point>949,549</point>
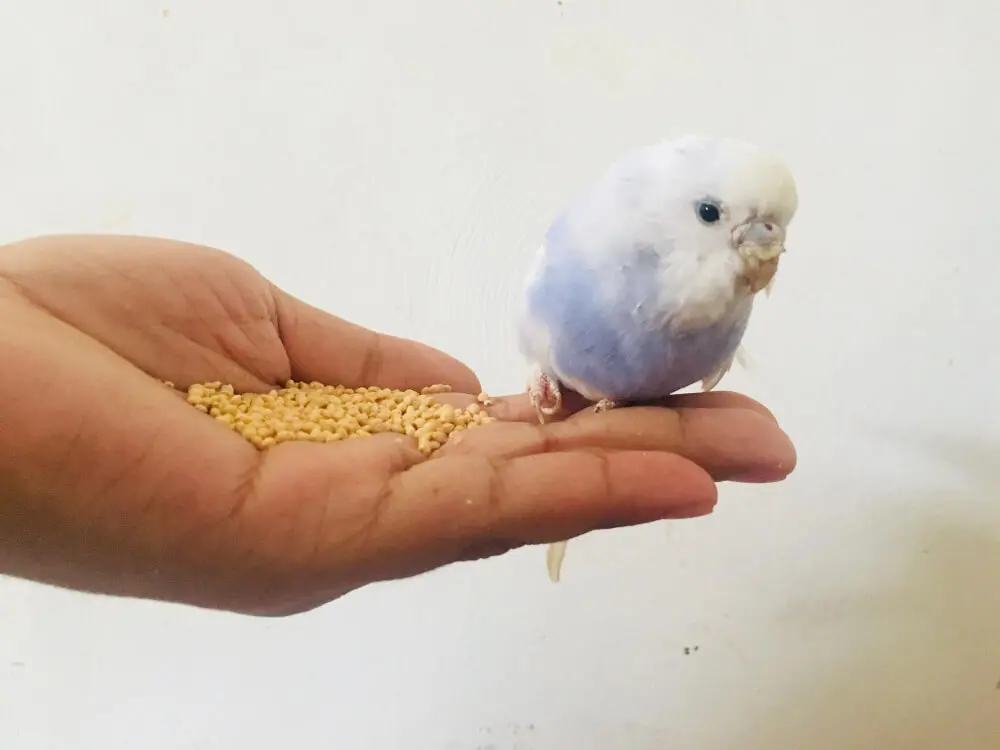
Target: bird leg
<point>545,394</point>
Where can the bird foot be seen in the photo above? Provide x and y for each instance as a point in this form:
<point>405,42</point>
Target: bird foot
<point>607,404</point>
<point>545,395</point>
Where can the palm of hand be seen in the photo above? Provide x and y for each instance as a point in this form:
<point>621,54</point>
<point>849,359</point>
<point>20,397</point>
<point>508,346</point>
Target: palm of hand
<point>174,506</point>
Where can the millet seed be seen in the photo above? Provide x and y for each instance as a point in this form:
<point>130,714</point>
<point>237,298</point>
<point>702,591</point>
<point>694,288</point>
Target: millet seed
<point>326,414</point>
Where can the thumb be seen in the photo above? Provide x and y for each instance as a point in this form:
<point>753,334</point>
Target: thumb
<point>322,347</point>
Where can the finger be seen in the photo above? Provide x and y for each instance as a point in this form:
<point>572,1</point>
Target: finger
<point>518,407</point>
<point>717,400</point>
<point>324,348</point>
<point>471,506</point>
<point>730,444</point>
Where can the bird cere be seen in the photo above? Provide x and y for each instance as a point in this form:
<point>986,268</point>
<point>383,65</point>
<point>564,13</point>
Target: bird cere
<point>327,414</point>
<point>644,285</point>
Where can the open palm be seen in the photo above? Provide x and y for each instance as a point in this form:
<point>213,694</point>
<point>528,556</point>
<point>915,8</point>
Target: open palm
<point>144,496</point>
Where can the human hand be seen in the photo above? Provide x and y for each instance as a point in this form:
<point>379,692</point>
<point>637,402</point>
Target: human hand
<point>110,483</point>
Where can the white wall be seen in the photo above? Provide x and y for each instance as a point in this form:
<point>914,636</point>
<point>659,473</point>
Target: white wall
<point>857,605</point>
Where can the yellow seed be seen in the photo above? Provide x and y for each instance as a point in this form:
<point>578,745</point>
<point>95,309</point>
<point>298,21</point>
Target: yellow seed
<point>436,389</point>
<point>330,413</point>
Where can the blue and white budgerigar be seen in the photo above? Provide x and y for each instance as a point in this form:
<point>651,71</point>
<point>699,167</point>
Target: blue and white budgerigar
<point>645,283</point>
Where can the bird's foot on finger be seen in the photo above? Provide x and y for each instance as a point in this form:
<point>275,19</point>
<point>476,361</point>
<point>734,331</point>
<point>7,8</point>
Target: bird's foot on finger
<point>607,404</point>
<point>545,395</point>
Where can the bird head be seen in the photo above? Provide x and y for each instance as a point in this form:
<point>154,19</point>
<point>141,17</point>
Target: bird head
<point>735,201</point>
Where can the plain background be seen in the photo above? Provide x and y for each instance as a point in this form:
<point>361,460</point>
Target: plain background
<point>397,163</point>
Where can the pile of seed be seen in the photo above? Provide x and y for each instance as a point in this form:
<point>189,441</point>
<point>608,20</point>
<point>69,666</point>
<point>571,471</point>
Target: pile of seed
<point>326,413</point>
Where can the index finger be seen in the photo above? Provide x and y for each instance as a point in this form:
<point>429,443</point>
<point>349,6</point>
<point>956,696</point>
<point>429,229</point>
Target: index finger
<point>518,408</point>
<point>730,444</point>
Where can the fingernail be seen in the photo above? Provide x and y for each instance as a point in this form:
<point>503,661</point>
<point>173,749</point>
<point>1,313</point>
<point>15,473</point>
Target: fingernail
<point>691,511</point>
<point>762,475</point>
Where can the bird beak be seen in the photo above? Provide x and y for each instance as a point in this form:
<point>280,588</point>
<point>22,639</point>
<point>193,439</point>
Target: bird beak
<point>759,244</point>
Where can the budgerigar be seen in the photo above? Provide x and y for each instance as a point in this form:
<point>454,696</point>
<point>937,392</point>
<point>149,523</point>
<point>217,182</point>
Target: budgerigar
<point>644,285</point>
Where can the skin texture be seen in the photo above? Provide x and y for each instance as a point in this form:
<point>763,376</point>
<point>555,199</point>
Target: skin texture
<point>110,483</point>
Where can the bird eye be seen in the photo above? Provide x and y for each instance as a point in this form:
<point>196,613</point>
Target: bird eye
<point>709,212</point>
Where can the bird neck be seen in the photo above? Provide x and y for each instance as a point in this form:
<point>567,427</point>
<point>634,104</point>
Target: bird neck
<point>698,292</point>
